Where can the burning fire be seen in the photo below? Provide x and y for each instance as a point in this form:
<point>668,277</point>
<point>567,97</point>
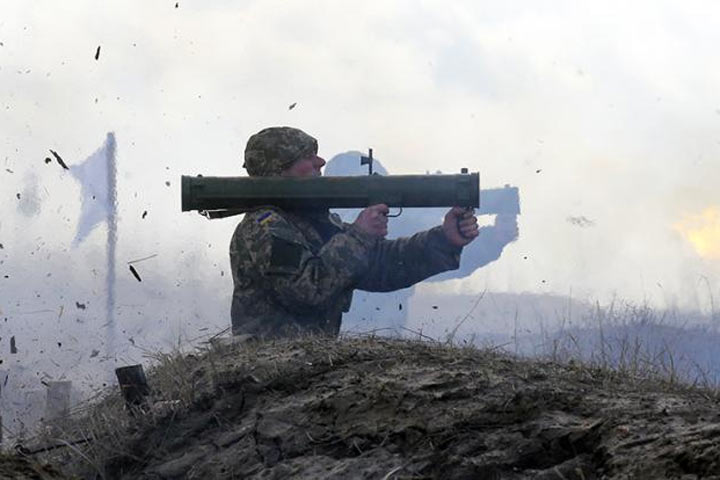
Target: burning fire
<point>702,230</point>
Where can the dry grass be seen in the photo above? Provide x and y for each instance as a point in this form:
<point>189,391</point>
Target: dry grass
<point>637,342</point>
<point>105,431</point>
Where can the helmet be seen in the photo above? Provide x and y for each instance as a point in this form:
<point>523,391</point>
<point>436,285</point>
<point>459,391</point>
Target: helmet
<point>272,150</point>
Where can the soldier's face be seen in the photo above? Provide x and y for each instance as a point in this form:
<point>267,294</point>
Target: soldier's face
<point>305,167</point>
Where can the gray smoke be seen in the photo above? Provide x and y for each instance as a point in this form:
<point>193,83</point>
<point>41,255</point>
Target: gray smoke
<point>384,312</point>
<point>29,201</point>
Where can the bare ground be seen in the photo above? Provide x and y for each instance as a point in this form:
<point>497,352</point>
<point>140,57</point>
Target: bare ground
<point>14,467</point>
<point>391,409</point>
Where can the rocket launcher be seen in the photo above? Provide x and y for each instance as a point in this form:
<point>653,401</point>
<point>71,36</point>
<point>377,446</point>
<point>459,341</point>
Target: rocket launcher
<point>218,197</point>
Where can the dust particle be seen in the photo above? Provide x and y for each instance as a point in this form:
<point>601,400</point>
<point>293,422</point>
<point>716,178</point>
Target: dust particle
<point>97,53</point>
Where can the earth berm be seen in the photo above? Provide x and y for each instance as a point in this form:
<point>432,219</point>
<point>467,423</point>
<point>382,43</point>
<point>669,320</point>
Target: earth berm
<point>378,408</point>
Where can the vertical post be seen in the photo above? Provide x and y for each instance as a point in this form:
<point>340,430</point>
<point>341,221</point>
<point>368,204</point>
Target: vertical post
<point>3,381</point>
<point>111,243</point>
<point>57,405</point>
<point>133,385</point>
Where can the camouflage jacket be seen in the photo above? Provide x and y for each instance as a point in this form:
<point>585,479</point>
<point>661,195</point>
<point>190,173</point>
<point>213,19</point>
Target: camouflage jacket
<point>295,272</point>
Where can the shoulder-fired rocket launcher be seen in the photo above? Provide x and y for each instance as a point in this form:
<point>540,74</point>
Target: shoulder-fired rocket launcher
<point>217,197</point>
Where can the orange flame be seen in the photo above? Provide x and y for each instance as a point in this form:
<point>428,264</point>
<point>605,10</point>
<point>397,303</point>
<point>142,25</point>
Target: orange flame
<point>702,230</point>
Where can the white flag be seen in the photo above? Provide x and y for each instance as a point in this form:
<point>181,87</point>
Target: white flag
<point>97,178</point>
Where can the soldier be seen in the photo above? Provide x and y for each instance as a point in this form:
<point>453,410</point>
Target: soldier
<point>294,271</point>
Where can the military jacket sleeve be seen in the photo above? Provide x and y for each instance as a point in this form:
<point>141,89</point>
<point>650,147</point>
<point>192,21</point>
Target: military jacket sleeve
<point>400,263</point>
<point>303,279</point>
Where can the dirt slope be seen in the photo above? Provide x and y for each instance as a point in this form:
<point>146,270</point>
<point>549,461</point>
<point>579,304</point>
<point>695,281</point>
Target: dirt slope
<point>390,409</point>
<point>15,467</point>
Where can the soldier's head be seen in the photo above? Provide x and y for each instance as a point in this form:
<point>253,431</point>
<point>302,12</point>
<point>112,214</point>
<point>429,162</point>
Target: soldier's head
<point>283,151</point>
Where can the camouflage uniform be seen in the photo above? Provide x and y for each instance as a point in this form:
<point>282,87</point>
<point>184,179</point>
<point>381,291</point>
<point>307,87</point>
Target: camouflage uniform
<point>295,271</point>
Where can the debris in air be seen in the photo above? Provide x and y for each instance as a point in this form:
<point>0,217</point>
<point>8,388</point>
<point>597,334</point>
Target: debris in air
<point>97,53</point>
<point>292,106</point>
<point>94,353</point>
<point>9,171</point>
<point>167,183</point>
<point>144,214</point>
<point>142,259</point>
<point>80,306</point>
<point>13,347</point>
<point>538,170</point>
<point>59,160</point>
<point>435,307</point>
<point>581,221</point>
<point>135,273</point>
<point>400,306</point>
<point>47,160</point>
<point>177,4</point>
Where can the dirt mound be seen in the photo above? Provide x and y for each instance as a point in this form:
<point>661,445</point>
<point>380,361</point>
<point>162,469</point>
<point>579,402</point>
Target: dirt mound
<point>19,468</point>
<point>391,409</point>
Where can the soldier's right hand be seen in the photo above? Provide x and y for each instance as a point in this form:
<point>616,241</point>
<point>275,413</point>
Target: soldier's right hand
<point>373,220</point>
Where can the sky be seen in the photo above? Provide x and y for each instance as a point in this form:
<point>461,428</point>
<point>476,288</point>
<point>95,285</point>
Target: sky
<point>605,114</point>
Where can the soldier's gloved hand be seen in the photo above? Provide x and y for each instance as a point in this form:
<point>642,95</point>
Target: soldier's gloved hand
<point>505,229</point>
<point>373,220</point>
<point>460,226</point>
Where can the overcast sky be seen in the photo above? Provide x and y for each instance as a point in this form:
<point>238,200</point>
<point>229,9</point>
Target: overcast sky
<point>605,114</point>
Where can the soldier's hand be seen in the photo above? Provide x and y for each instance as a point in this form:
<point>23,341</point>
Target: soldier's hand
<point>373,220</point>
<point>460,226</point>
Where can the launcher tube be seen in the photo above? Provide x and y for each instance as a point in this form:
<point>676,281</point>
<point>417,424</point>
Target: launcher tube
<point>246,193</point>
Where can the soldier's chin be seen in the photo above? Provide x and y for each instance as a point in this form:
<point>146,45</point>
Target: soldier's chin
<point>317,174</point>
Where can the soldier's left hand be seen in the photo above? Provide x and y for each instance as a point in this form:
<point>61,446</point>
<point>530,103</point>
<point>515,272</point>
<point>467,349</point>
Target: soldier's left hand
<point>460,226</point>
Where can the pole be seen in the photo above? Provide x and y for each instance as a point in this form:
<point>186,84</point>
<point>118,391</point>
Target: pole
<point>111,245</point>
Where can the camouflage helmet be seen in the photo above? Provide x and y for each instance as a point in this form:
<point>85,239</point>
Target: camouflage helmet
<point>272,150</point>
